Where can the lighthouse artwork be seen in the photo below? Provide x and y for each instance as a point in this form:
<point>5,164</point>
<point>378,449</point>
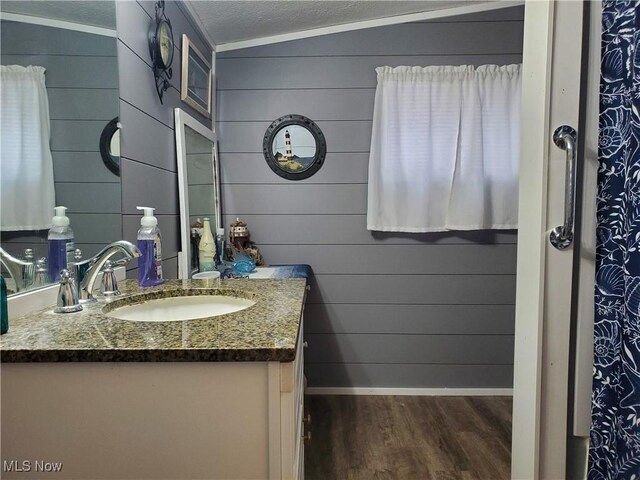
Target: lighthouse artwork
<point>287,142</point>
<point>294,148</point>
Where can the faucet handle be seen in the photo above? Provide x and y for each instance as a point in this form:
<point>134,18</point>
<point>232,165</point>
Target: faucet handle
<point>67,294</point>
<point>40,274</point>
<point>109,285</point>
<point>29,269</point>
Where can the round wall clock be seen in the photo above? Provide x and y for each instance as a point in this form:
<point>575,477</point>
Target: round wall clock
<point>164,44</point>
<point>161,49</point>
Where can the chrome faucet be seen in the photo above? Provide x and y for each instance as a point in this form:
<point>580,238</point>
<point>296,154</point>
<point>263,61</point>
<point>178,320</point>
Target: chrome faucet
<point>20,270</point>
<point>94,265</point>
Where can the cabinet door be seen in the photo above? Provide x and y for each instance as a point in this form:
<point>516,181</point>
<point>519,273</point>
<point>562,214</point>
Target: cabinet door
<point>291,412</point>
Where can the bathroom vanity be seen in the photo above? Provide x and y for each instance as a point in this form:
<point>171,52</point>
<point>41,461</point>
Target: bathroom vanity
<point>210,398</point>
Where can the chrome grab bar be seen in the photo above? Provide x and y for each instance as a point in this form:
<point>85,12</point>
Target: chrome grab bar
<point>565,138</point>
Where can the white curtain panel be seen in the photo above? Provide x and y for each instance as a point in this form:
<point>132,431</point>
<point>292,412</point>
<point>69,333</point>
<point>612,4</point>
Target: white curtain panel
<point>26,167</point>
<point>445,149</point>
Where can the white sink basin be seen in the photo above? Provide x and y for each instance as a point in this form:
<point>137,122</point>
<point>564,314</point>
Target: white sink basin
<point>180,308</point>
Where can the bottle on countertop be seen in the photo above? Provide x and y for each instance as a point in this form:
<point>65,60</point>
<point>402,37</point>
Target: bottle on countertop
<point>207,249</point>
<point>195,230</point>
<point>149,243</point>
<point>61,244</point>
<point>219,246</point>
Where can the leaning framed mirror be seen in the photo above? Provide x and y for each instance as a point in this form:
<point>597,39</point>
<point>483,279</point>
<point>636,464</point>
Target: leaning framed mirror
<point>294,147</point>
<point>198,185</point>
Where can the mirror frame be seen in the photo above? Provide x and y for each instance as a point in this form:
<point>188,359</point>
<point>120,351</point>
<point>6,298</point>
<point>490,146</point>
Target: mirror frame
<point>182,120</point>
<point>318,136</point>
<point>107,134</point>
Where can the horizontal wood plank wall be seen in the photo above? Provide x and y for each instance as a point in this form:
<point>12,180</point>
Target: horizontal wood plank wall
<point>149,169</point>
<point>82,87</point>
<point>386,309</point>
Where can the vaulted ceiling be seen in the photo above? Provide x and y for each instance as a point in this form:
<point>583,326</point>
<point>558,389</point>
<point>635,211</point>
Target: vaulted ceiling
<point>228,21</point>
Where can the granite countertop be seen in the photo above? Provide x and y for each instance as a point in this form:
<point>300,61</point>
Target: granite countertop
<point>266,331</point>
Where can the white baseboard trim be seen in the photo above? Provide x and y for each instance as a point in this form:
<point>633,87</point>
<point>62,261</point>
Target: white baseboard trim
<point>422,392</point>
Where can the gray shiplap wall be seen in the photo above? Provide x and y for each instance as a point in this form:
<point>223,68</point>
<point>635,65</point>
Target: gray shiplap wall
<point>82,86</point>
<point>385,310</point>
<point>149,170</point>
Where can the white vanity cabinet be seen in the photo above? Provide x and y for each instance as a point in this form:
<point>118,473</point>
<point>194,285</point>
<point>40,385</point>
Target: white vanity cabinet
<point>154,420</point>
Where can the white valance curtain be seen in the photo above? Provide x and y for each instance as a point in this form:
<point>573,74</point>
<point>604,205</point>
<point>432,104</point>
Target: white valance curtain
<point>26,167</point>
<point>445,149</point>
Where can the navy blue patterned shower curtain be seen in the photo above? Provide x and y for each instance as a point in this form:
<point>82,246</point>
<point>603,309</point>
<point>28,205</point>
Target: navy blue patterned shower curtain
<point>614,451</point>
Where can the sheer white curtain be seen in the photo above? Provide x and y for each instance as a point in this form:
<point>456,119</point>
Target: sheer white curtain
<point>445,149</point>
<point>26,168</point>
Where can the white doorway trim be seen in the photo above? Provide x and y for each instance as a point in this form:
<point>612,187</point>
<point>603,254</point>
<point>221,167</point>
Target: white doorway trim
<point>536,74</point>
<point>551,97</point>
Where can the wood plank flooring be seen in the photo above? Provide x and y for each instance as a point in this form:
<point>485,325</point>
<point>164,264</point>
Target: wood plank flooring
<point>406,438</point>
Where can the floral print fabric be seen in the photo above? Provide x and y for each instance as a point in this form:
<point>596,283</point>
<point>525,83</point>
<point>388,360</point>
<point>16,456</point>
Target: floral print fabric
<point>614,451</point>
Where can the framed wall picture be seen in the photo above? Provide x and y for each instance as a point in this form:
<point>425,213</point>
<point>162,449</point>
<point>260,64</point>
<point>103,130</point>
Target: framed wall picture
<point>196,78</point>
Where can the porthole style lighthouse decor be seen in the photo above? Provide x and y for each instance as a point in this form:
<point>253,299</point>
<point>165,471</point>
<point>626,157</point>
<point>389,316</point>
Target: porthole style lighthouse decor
<point>294,147</point>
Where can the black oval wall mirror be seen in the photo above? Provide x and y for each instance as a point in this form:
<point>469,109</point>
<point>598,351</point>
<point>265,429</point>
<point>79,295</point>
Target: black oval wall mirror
<point>294,147</point>
<point>110,146</point>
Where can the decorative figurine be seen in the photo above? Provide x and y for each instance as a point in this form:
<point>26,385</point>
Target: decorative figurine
<point>239,234</point>
<point>239,237</point>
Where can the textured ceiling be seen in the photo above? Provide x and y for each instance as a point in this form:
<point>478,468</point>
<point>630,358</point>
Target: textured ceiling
<point>89,12</point>
<point>235,20</point>
<point>231,20</point>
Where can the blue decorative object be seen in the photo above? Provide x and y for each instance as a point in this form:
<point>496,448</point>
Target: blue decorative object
<point>614,451</point>
<point>243,264</point>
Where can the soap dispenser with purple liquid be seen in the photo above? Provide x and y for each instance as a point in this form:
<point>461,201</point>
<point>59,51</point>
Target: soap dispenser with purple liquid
<point>150,260</point>
<point>61,244</point>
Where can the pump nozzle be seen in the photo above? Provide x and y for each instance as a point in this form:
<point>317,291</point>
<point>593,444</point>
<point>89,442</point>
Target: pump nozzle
<point>148,220</point>
<point>148,211</point>
<point>60,219</point>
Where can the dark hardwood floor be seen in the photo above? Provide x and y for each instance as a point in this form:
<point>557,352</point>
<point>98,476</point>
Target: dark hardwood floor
<point>406,438</point>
